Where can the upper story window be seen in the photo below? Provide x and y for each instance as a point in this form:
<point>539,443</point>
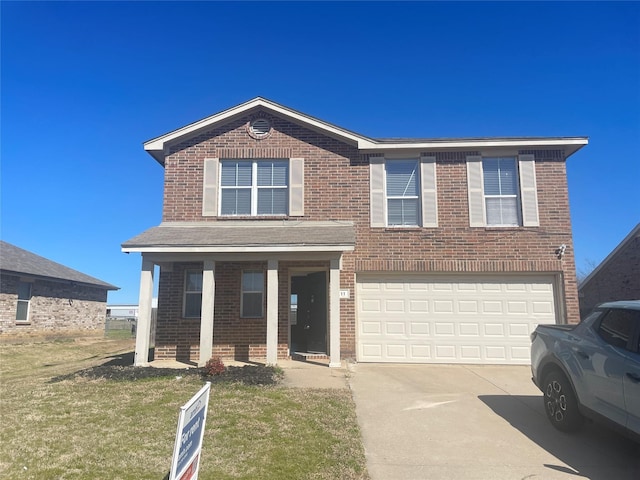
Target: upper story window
<point>24,299</point>
<point>502,191</point>
<point>254,187</point>
<point>403,192</point>
<point>403,195</point>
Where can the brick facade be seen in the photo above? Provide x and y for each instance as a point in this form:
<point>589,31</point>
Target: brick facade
<point>618,278</point>
<point>55,309</point>
<point>337,188</point>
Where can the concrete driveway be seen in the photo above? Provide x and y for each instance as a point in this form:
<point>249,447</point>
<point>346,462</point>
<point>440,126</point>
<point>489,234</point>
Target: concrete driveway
<point>474,422</point>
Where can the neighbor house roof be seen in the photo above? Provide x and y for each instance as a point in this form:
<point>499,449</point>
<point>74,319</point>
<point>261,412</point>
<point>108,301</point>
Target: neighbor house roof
<point>159,145</point>
<point>240,236</point>
<point>18,261</point>
<point>623,244</point>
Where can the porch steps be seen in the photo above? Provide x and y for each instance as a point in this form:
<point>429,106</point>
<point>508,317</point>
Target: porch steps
<point>306,356</point>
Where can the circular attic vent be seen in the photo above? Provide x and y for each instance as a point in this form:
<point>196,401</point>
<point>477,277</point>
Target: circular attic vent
<point>260,127</point>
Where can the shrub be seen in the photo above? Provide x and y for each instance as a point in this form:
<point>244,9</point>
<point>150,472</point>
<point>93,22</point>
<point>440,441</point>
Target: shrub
<point>214,366</point>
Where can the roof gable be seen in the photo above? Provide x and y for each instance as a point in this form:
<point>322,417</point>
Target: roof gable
<point>635,233</point>
<point>157,147</point>
<point>19,261</point>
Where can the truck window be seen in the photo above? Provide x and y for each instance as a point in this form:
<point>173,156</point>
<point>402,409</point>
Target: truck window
<point>616,327</point>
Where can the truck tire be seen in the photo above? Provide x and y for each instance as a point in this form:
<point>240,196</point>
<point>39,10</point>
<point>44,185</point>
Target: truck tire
<point>560,403</point>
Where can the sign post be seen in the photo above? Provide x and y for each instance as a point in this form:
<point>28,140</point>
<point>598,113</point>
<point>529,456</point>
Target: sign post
<point>186,450</point>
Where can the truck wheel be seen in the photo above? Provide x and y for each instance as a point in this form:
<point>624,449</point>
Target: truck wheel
<point>560,403</point>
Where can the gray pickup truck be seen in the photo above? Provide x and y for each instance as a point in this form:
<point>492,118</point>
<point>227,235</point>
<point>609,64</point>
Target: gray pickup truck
<point>591,369</point>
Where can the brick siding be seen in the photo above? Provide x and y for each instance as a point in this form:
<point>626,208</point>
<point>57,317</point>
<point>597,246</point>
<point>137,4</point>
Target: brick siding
<point>337,188</point>
<point>55,309</point>
<point>617,280</point>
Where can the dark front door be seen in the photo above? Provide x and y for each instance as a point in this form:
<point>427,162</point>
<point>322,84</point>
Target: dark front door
<point>309,334</point>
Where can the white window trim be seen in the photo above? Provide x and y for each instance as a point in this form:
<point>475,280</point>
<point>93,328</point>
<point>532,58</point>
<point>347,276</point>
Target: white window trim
<point>517,196</point>
<point>254,187</point>
<point>526,198</point>
<point>190,292</point>
<point>28,302</point>
<point>417,197</point>
<point>243,291</point>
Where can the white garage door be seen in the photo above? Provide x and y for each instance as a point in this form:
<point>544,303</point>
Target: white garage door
<point>451,319</point>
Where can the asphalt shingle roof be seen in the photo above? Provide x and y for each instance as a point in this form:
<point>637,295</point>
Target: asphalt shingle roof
<point>246,235</point>
<point>17,260</point>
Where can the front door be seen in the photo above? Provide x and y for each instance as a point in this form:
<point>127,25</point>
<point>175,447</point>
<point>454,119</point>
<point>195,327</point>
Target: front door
<point>309,330</point>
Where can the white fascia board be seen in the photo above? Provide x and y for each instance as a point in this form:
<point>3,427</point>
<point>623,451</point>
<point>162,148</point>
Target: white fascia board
<point>240,249</point>
<point>158,144</point>
<point>572,144</point>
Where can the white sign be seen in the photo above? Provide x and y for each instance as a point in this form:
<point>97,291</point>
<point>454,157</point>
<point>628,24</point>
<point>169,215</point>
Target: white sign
<point>345,293</point>
<point>186,450</point>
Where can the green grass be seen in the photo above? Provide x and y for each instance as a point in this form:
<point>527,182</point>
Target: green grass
<point>99,429</point>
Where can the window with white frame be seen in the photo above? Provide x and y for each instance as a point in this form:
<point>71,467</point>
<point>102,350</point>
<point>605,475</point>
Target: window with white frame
<point>403,192</point>
<point>501,191</point>
<point>252,296</point>
<point>24,299</point>
<point>254,187</point>
<point>192,294</point>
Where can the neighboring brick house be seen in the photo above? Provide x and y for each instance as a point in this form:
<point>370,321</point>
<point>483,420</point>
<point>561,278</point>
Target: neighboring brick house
<point>41,297</point>
<point>282,234</point>
<point>616,278</point>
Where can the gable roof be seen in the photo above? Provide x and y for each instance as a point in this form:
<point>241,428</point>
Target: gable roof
<point>623,244</point>
<point>22,262</point>
<point>156,147</point>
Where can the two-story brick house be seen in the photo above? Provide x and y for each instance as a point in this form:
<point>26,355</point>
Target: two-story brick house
<point>284,234</point>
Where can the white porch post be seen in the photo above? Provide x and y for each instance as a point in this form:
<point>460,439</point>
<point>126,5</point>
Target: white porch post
<point>334,314</point>
<point>143,327</point>
<point>206,316</point>
<point>272,312</point>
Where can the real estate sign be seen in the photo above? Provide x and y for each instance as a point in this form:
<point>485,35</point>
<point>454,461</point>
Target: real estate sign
<point>186,450</point>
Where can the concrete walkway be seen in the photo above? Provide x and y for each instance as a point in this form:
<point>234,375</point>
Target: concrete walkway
<point>313,373</point>
<point>474,422</point>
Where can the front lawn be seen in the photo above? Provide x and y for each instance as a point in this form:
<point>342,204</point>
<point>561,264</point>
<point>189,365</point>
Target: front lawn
<point>57,425</point>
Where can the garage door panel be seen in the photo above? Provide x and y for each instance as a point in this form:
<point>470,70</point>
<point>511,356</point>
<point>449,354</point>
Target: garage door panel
<point>519,330</point>
<point>445,352</point>
<point>449,319</point>
<point>443,306</point>
<point>517,308</point>
<point>469,329</point>
<point>371,328</point>
<point>542,308</point>
<point>444,329</point>
<point>395,328</point>
<point>494,330</point>
<point>491,306</point>
<point>420,353</point>
<point>471,352</point>
<point>419,328</point>
<point>418,306</point>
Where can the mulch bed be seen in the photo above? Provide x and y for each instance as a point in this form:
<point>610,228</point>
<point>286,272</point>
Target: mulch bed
<point>247,374</point>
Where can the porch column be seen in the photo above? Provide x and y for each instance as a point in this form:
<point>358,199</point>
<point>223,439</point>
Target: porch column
<point>206,316</point>
<point>143,327</point>
<point>272,312</point>
<point>334,314</point>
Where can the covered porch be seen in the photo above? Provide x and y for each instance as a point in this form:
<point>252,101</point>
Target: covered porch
<point>291,265</point>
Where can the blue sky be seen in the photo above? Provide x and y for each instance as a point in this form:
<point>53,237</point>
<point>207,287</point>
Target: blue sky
<point>85,84</point>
